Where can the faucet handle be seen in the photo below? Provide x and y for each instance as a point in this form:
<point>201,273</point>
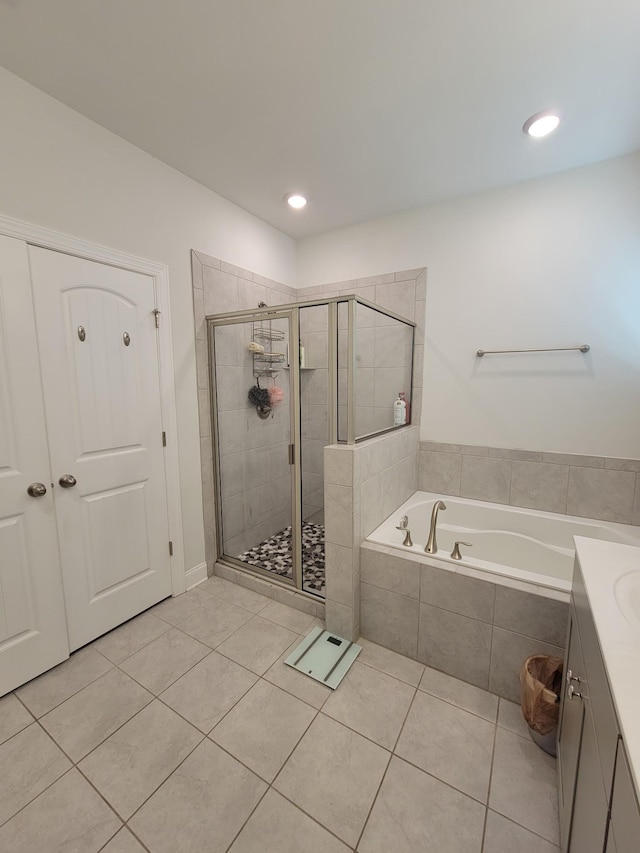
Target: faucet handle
<point>403,523</point>
<point>455,554</point>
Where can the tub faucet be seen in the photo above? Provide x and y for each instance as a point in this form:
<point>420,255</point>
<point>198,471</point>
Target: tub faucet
<point>432,546</point>
<point>403,526</point>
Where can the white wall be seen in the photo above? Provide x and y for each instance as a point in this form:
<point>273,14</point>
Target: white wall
<point>61,171</point>
<point>550,262</point>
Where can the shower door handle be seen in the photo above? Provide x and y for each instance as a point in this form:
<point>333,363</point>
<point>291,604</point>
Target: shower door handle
<point>292,454</point>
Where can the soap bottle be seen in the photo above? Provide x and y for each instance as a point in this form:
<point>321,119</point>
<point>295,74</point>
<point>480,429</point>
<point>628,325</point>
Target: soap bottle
<point>399,411</point>
<point>407,414</point>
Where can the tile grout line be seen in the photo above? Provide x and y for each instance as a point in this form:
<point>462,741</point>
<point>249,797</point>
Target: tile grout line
<point>384,775</point>
<point>269,784</point>
<point>92,681</point>
<point>493,753</point>
<point>157,788</point>
<point>317,711</point>
<point>397,677</point>
<point>374,800</point>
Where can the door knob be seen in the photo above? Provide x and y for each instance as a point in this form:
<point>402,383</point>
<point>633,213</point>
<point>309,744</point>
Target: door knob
<point>37,490</point>
<point>67,481</point>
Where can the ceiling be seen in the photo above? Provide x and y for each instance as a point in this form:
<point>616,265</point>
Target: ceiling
<point>367,107</point>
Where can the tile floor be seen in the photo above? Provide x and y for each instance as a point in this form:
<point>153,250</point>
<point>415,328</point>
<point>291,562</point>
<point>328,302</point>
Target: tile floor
<point>183,730</point>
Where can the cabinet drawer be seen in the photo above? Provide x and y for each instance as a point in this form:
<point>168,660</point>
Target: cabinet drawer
<point>598,690</point>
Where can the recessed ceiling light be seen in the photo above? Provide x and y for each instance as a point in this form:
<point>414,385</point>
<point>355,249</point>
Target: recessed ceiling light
<point>295,200</point>
<point>541,124</point>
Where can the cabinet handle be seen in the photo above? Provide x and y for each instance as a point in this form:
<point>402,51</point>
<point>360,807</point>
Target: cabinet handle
<point>571,677</point>
<point>573,694</point>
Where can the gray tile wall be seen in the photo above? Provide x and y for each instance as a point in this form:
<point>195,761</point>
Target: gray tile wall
<point>383,361</point>
<point>364,483</point>
<point>597,487</point>
<point>255,480</point>
<point>473,629</point>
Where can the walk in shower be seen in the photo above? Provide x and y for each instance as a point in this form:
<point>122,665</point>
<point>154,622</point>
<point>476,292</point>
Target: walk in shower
<point>286,381</point>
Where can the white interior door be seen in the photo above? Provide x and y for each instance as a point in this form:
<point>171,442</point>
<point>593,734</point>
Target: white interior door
<point>98,348</point>
<point>33,633</point>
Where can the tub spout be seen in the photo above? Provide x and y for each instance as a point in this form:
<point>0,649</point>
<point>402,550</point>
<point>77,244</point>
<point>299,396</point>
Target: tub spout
<point>432,546</point>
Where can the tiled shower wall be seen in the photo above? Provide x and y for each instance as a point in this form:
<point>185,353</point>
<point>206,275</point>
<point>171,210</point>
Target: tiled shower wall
<point>382,356</point>
<point>364,483</point>
<point>219,287</point>
<point>597,487</point>
<point>255,476</point>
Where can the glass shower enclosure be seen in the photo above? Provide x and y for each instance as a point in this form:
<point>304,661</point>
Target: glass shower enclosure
<point>285,382</point>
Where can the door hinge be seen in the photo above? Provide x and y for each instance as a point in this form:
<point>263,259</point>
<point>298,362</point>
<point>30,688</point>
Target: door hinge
<point>156,314</point>
<point>292,457</point>
<point>164,438</point>
<point>171,549</point>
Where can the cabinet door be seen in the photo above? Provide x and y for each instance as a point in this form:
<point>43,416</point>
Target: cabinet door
<point>625,812</point>
<point>33,632</point>
<point>570,732</point>
<point>590,806</point>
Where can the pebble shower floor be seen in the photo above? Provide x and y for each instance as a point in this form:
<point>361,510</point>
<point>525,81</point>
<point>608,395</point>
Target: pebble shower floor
<point>276,555</point>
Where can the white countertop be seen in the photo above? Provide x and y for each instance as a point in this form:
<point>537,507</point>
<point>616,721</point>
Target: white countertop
<point>602,564</point>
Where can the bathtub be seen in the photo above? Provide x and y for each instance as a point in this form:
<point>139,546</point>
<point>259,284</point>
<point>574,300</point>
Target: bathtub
<point>526,545</point>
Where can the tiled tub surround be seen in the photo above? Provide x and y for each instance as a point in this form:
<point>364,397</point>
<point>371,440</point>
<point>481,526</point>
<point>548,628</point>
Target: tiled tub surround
<point>599,487</point>
<point>363,484</point>
<point>475,629</point>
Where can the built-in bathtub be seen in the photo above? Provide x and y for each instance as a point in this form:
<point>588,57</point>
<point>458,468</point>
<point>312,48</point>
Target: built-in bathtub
<point>479,617</point>
<point>523,544</point>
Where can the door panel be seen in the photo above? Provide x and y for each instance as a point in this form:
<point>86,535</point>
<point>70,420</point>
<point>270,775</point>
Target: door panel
<point>255,474</point>
<point>98,347</point>
<point>33,634</point>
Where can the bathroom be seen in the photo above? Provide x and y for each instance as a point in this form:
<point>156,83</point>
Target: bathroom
<point>542,255</point>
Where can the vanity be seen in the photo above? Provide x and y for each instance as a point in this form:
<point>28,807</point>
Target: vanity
<point>599,727</point>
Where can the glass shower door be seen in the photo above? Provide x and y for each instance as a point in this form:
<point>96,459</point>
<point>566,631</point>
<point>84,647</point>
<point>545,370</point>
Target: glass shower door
<point>253,422</point>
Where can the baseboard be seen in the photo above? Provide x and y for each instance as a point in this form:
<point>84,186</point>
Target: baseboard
<point>195,575</point>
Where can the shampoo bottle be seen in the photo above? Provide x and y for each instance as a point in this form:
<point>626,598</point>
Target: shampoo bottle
<point>407,413</point>
<point>399,411</point>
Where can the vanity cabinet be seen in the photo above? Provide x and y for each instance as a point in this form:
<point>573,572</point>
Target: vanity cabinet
<point>583,798</point>
<point>624,827</point>
<point>595,782</point>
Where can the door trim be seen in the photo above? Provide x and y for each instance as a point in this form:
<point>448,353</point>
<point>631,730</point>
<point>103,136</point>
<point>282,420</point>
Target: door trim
<point>45,238</point>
